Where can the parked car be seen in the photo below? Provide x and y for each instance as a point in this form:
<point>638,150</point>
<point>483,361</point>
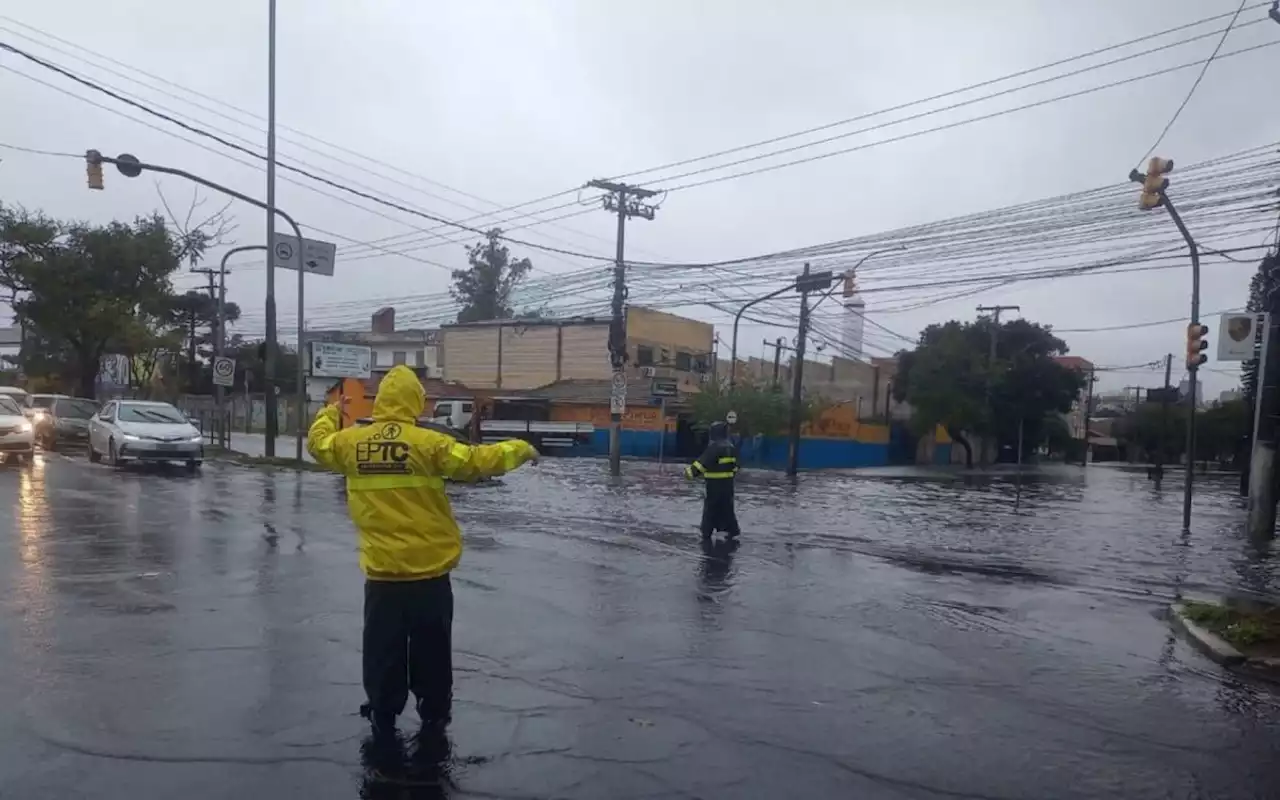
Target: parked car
<point>15,393</point>
<point>65,420</point>
<point>17,439</point>
<point>36,405</point>
<point>136,430</point>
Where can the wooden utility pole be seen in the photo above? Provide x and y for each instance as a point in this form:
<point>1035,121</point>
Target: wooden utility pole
<point>1164,418</point>
<point>1084,438</point>
<point>994,311</point>
<point>778,346</point>
<point>797,378</point>
<point>625,201</point>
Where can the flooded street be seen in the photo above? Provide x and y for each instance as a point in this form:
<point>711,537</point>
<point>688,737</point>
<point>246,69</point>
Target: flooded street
<point>877,635</point>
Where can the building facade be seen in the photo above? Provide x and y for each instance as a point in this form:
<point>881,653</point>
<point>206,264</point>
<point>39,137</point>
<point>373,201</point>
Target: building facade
<point>517,354</point>
<point>416,348</point>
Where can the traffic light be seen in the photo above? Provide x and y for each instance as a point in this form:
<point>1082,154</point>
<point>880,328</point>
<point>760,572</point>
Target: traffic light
<point>1153,185</point>
<point>93,168</point>
<point>1196,345</point>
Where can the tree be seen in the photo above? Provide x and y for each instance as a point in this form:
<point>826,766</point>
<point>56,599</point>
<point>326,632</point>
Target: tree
<point>484,289</point>
<point>1263,285</point>
<point>950,380</point>
<point>248,354</point>
<point>761,409</point>
<point>76,286</point>
<point>195,315</point>
<point>146,340</point>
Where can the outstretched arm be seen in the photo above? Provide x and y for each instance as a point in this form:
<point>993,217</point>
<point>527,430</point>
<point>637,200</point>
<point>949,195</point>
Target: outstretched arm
<point>321,438</point>
<point>465,462</point>
<point>705,463</point>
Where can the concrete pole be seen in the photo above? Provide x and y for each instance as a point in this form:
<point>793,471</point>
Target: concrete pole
<point>269,363</point>
<point>1262,484</point>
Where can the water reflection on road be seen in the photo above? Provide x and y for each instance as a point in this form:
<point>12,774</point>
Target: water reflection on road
<point>898,634</point>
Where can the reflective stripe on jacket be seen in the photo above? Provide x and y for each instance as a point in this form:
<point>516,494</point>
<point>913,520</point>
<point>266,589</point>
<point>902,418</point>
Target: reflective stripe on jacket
<point>718,462</point>
<point>395,475</point>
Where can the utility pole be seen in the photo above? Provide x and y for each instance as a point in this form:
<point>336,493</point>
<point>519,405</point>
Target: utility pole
<point>1262,482</point>
<point>807,282</point>
<point>1084,437</point>
<point>994,311</point>
<point>272,345</point>
<point>626,202</point>
<point>1164,418</point>
<point>778,346</point>
<point>1154,195</point>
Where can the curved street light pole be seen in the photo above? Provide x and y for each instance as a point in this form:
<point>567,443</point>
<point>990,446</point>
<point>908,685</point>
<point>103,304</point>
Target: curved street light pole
<point>131,167</point>
<point>737,318</point>
<point>733,349</point>
<point>220,343</point>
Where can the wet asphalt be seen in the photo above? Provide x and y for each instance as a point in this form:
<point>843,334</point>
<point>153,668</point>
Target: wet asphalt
<point>872,637</point>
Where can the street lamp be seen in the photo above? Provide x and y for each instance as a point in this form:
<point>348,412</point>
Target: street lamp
<point>131,167</point>
<point>737,318</point>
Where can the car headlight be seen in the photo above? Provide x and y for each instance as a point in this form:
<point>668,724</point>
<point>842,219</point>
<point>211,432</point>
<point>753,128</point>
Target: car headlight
<point>197,439</point>
<point>24,427</point>
<point>129,437</point>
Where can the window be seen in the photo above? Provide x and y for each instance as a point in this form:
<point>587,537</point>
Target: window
<point>74,408</point>
<point>684,361</point>
<point>7,406</point>
<point>397,357</point>
<point>419,358</point>
<point>161,413</point>
<point>467,408</point>
<point>644,356</point>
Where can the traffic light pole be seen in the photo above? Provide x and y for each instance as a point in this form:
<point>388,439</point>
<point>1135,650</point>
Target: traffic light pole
<point>1192,368</point>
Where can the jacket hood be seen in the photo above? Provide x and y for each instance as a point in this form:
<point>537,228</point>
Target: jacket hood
<point>400,396</point>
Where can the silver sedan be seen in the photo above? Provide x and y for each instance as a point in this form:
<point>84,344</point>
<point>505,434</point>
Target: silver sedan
<point>136,430</point>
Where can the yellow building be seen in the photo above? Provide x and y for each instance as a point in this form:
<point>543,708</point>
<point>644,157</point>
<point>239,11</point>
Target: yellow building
<point>527,354</point>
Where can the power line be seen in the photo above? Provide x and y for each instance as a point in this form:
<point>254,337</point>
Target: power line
<point>939,96</point>
<point>225,142</point>
<point>260,118</point>
<point>950,125</point>
<point>1196,84</point>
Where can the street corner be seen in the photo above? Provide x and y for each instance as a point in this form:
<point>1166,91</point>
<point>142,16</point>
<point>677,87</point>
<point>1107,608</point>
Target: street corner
<point>1206,641</point>
<point>1236,634</point>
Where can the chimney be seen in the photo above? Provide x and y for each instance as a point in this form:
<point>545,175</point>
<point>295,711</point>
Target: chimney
<point>384,320</point>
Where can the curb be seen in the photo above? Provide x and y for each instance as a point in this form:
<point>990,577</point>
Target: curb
<point>1208,642</point>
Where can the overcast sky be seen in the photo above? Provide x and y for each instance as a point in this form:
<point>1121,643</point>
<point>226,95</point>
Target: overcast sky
<point>510,101</point>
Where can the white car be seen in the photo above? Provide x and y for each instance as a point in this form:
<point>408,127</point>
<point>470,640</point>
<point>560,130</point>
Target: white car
<point>136,430</point>
<point>17,438</point>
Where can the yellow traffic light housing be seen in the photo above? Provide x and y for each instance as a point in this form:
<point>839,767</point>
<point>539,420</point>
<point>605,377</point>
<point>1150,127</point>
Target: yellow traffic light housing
<point>1196,345</point>
<point>93,168</point>
<point>1155,182</point>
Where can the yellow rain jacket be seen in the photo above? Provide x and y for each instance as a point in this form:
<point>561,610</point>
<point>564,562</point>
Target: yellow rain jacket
<point>395,480</point>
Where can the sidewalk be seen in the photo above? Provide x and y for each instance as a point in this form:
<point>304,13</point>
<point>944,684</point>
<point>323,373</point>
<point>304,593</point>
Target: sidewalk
<point>255,444</point>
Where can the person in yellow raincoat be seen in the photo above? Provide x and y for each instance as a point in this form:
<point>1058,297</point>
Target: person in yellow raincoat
<point>409,541</point>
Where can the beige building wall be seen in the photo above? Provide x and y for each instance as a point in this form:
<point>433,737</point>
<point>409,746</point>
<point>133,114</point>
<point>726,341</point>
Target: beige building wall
<point>675,333</point>
<point>529,356</point>
<point>470,356</point>
<point>584,352</point>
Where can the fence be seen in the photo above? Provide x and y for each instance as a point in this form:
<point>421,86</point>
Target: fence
<point>240,413</point>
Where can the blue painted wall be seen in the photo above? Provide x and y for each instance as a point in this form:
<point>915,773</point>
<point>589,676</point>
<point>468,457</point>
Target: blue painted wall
<point>770,454</point>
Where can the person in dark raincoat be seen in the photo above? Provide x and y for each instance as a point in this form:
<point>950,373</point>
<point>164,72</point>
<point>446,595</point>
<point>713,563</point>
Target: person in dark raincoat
<point>717,465</point>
